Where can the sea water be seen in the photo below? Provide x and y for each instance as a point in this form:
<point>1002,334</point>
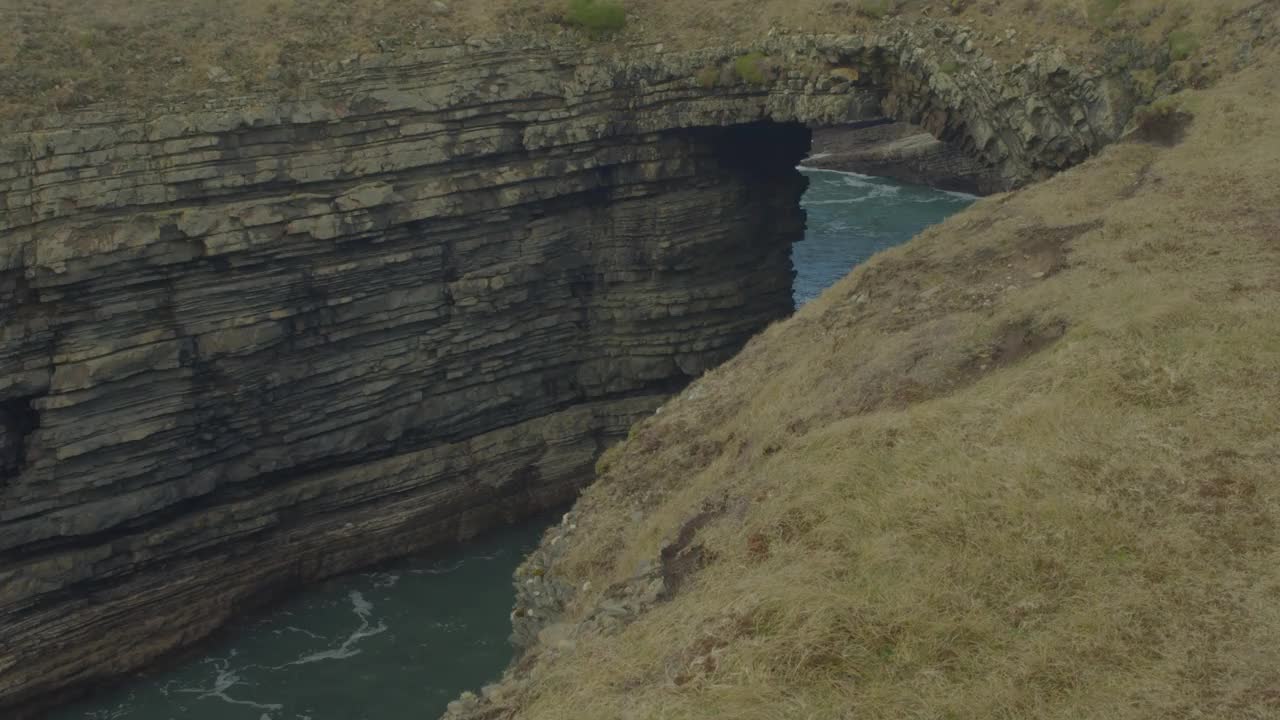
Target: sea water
<point>852,217</point>
<point>395,643</point>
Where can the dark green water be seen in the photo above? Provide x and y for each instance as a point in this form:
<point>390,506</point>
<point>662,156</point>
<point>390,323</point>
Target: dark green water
<point>398,643</point>
<point>401,642</point>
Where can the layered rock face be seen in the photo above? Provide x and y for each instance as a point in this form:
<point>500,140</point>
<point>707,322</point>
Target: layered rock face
<point>253,345</point>
<point>903,152</point>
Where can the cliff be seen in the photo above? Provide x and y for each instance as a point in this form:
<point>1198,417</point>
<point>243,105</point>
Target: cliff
<point>263,342</point>
<point>1023,466</point>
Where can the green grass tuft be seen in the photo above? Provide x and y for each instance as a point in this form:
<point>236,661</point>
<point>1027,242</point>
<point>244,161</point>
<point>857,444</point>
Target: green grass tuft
<point>597,17</point>
<point>751,68</point>
<point>1101,10</point>
<point>876,8</point>
<point>1183,44</point>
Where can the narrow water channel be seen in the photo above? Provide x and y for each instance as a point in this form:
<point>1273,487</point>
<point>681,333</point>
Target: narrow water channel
<point>395,643</point>
<point>400,642</point>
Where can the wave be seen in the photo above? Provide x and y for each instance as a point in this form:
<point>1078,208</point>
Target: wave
<point>859,180</point>
<point>224,681</point>
<point>846,173</point>
<point>873,191</point>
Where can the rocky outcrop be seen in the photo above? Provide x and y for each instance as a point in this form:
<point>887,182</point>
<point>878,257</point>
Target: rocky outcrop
<point>903,152</point>
<point>251,345</point>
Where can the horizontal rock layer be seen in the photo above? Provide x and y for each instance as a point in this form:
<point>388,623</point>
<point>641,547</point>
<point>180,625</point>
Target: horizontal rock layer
<point>248,346</point>
<point>903,152</point>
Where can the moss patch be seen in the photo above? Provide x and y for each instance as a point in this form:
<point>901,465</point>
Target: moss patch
<point>1183,44</point>
<point>598,18</point>
<point>876,8</point>
<point>752,68</point>
<point>1101,11</point>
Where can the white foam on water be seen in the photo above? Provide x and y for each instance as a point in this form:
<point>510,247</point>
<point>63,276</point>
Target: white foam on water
<point>363,609</point>
<point>845,173</point>
<point>224,681</point>
<point>304,631</point>
<point>383,579</point>
<point>847,201</point>
<point>858,180</point>
<point>873,188</point>
<point>361,606</point>
<point>874,191</point>
<point>861,181</point>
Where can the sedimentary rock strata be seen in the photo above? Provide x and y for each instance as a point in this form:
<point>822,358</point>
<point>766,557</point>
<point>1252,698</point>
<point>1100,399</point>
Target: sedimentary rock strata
<point>903,152</point>
<point>250,345</point>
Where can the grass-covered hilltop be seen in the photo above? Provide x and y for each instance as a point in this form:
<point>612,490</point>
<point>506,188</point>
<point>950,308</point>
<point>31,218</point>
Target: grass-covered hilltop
<point>57,55</point>
<point>1026,465</point>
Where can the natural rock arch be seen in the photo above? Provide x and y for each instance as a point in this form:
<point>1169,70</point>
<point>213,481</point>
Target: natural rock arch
<point>261,342</point>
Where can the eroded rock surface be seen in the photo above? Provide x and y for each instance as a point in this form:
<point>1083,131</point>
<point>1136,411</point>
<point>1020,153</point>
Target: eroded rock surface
<point>253,345</point>
<point>903,152</point>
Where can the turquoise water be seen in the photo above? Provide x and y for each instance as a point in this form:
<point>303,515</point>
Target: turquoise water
<point>400,642</point>
<point>851,217</point>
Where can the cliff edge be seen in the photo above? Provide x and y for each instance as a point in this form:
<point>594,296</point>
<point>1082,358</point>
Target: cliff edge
<point>1023,466</point>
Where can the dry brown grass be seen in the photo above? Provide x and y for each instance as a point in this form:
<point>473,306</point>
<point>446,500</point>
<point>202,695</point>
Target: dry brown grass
<point>64,54</point>
<point>1023,467</point>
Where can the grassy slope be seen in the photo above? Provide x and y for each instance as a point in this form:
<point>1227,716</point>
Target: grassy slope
<point>64,54</point>
<point>959,489</point>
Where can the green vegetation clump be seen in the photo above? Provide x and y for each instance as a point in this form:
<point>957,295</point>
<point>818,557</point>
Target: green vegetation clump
<point>597,17</point>
<point>751,68</point>
<point>950,67</point>
<point>1101,10</point>
<point>876,8</point>
<point>1183,44</point>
